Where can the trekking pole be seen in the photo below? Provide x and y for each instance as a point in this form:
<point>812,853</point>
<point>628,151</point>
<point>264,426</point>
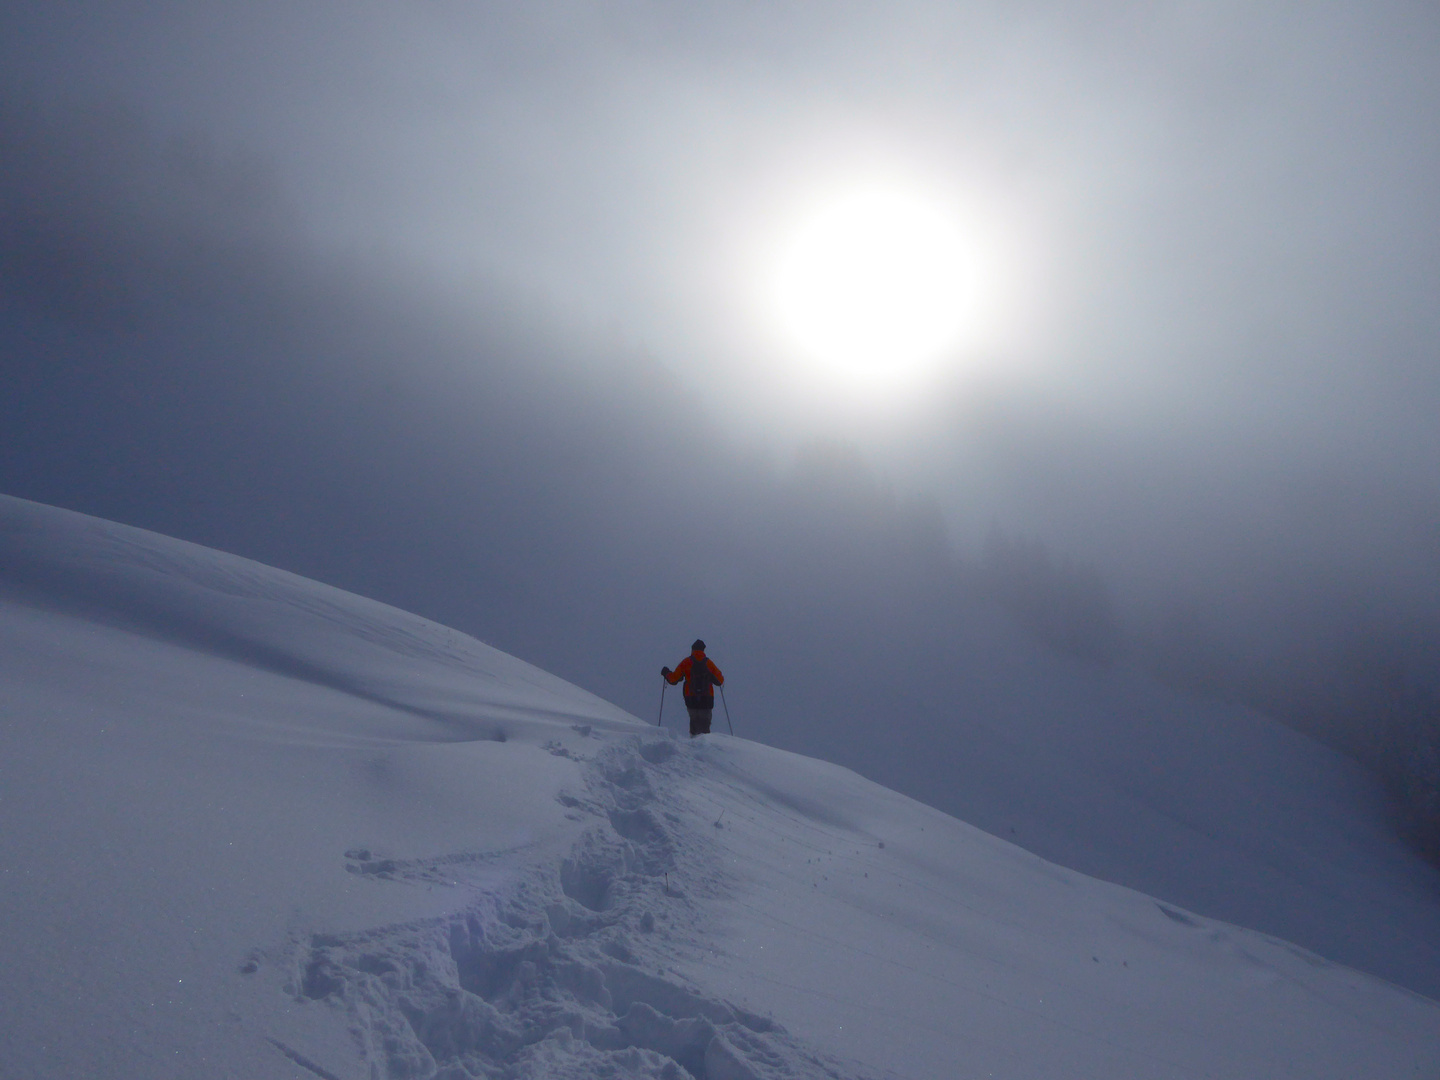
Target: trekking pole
<point>727,711</point>
<point>662,702</point>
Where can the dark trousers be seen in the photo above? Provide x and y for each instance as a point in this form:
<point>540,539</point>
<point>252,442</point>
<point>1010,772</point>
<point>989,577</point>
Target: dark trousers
<point>699,720</point>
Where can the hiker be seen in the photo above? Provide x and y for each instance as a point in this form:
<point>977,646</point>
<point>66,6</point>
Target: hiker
<point>701,677</point>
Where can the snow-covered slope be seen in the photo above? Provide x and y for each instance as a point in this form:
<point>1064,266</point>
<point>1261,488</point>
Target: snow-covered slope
<point>1208,806</point>
<point>1212,807</point>
<point>255,827</point>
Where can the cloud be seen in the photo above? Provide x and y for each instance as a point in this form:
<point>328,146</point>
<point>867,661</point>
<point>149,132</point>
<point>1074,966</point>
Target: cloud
<point>476,282</point>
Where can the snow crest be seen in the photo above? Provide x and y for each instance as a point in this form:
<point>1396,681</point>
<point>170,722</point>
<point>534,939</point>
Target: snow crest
<point>564,973</point>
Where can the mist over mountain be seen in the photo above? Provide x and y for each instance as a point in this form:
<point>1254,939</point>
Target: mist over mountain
<point>418,320</point>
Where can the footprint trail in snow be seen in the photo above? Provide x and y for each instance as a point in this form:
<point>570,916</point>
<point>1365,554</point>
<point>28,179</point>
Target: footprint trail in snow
<point>563,973</point>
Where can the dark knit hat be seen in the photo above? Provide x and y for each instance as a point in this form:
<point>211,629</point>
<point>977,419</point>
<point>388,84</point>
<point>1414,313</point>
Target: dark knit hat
<point>698,645</point>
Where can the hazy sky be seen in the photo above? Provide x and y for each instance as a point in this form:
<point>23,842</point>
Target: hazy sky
<point>470,306</point>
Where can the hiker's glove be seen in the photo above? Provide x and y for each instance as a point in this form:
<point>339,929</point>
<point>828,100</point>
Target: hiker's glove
<point>665,672</point>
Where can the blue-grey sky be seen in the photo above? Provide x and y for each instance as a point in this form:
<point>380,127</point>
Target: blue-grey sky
<point>465,306</point>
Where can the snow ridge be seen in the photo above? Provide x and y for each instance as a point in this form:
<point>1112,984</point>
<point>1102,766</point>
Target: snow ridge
<point>563,974</point>
<point>259,828</point>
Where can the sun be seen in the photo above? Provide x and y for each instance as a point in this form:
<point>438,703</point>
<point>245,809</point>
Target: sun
<point>873,282</point>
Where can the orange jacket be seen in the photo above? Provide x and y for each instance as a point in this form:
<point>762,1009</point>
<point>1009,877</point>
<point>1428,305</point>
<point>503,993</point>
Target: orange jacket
<point>685,670</point>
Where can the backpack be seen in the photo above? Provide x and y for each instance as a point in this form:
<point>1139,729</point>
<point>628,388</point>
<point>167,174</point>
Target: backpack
<point>702,683</point>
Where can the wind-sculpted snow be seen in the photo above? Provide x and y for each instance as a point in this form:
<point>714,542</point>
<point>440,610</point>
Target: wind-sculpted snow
<point>564,975</point>
<point>258,829</point>
<point>269,620</point>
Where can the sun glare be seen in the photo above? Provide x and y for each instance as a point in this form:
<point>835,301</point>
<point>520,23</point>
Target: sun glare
<point>873,282</point>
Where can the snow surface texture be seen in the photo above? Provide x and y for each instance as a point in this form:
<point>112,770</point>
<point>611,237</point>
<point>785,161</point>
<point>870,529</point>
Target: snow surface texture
<point>1210,807</point>
<point>256,827</point>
